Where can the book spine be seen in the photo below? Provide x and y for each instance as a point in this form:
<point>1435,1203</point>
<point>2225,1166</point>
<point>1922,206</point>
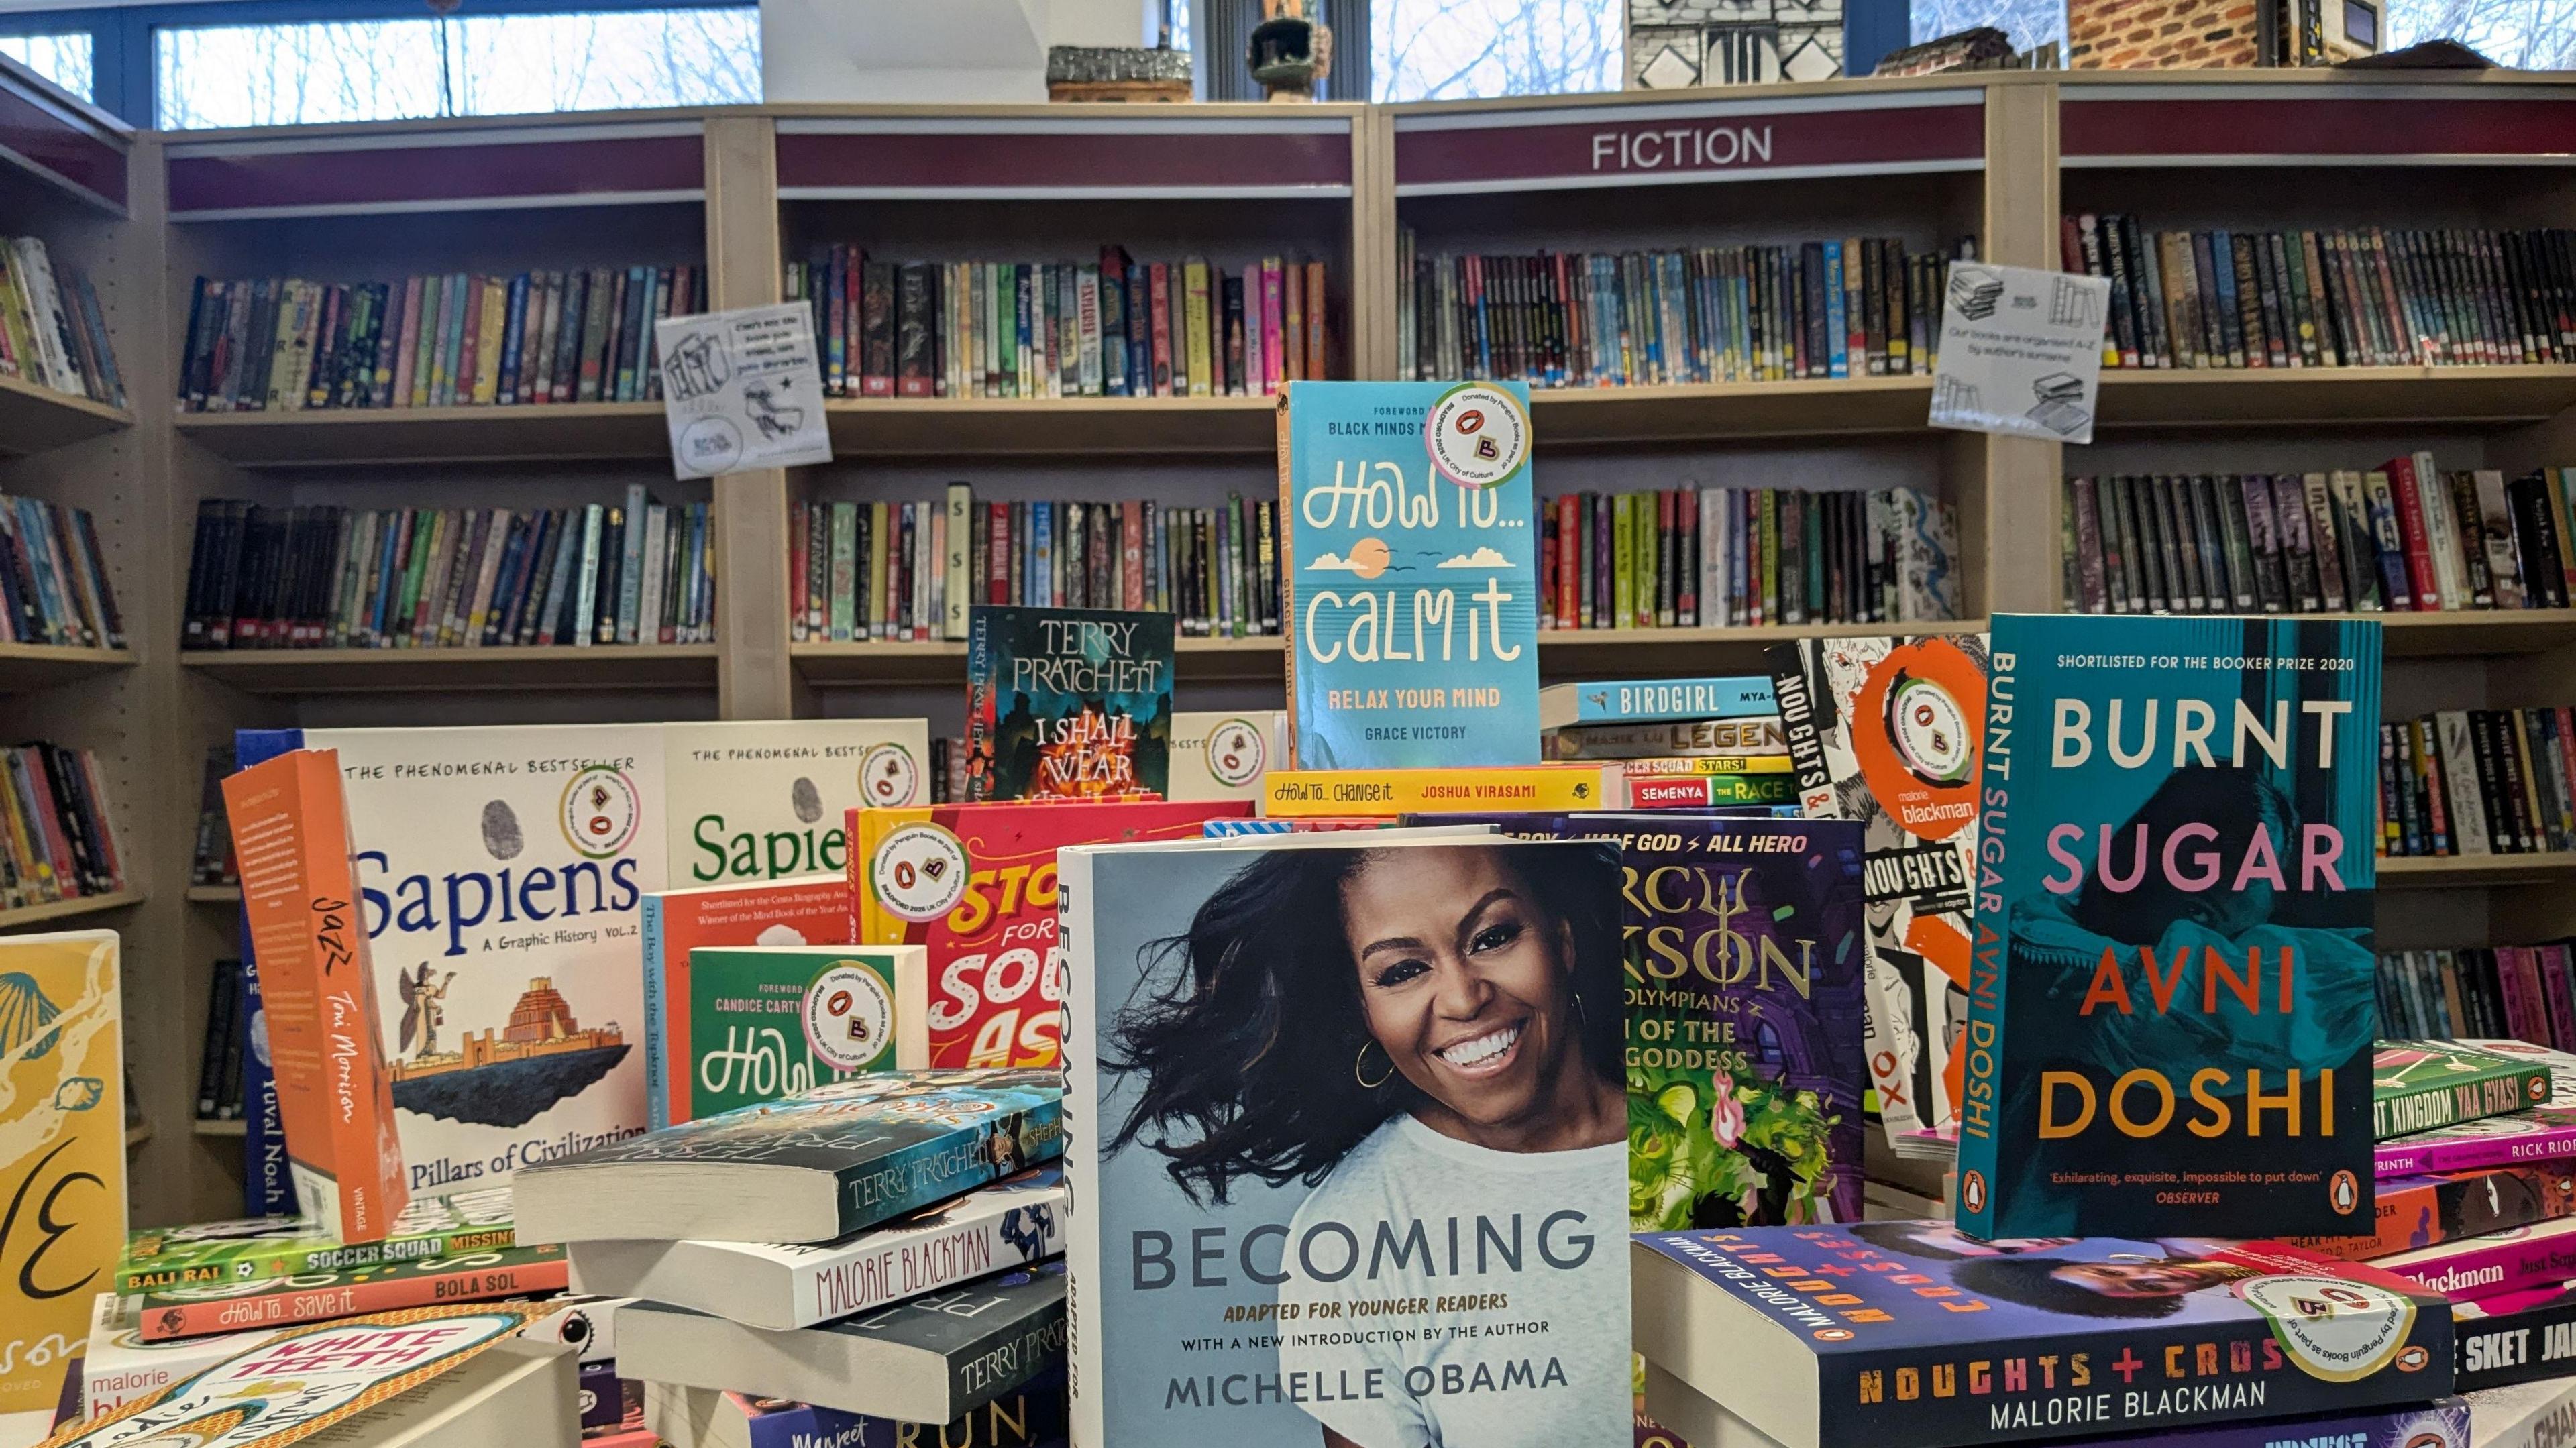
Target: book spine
<point>2398,1109</point>
<point>165,1318</point>
<point>2483,1267</point>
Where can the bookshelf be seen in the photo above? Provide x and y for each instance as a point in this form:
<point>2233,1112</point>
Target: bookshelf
<point>744,191</point>
<point>33,418</point>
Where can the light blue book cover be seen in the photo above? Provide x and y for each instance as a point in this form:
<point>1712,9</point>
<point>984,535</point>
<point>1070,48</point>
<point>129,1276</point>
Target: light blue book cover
<point>1410,574</point>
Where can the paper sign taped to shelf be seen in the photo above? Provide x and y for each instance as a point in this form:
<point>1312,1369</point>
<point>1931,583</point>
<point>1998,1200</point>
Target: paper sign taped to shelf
<point>741,390</point>
<point>2021,352</point>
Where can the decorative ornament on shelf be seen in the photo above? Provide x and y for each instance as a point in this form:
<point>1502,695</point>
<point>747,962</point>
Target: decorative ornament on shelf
<point>1290,54</point>
<point>1117,73</point>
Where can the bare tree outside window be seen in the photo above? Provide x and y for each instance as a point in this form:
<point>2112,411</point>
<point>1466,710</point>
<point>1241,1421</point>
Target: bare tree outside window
<point>476,65</point>
<point>1423,50</point>
<point>2525,34</point>
<point>66,60</point>
<point>2028,22</point>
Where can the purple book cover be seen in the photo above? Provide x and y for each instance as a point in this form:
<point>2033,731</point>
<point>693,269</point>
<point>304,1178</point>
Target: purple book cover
<point>2477,1267</point>
<point>2545,1133</point>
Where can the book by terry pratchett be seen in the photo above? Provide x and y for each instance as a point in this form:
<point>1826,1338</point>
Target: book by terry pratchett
<point>1067,703</point>
<point>1347,1143</point>
<point>1408,574</point>
<point>2173,995</point>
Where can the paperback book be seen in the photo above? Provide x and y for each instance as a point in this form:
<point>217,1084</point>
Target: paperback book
<point>1837,1334</point>
<point>1290,794</point>
<point>2426,1211</point>
<point>118,1366</point>
<point>797,910</point>
<point>827,1162</point>
<point>976,886</point>
<point>1067,703</point>
<point>1655,701</point>
<point>255,1249</point>
<point>2516,1259</point>
<point>1409,574</point>
<point>767,1021</point>
<point>2420,1085</point>
<point>2173,994</point>
<point>1229,1176</point>
<point>1223,756</point>
<point>1009,1224</point>
<point>171,1312</point>
<point>1887,732</point>
<point>62,1149</point>
<point>2498,1348</point>
<point>765,799</point>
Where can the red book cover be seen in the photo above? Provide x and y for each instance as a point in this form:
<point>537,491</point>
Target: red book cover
<point>1159,308</point>
<point>1569,573</point>
<point>203,1311</point>
<point>2421,582</point>
<point>976,884</point>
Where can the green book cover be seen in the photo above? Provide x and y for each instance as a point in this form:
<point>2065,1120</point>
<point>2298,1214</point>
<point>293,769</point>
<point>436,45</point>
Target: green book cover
<point>2419,1085</point>
<point>767,1021</point>
<point>256,1249</point>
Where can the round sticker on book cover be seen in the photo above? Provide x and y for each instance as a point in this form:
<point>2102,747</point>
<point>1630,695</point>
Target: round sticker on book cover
<point>2334,1329</point>
<point>600,810</point>
<point>918,872</point>
<point>1236,752</point>
<point>1917,729</point>
<point>1478,434</point>
<point>849,1017</point>
<point>888,777</point>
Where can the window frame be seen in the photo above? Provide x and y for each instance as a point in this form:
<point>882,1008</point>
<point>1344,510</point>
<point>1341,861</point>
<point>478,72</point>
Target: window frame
<point>124,77</point>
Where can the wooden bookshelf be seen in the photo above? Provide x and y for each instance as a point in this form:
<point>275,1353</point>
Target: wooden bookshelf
<point>28,667</point>
<point>68,909</point>
<point>2452,872</point>
<point>284,672</point>
<point>214,894</point>
<point>34,419</point>
<point>331,437</point>
<point>1575,417</point>
<point>2484,397</point>
<point>137,1134</point>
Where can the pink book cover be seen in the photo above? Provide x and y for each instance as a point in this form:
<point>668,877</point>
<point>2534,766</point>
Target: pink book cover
<point>2475,1268</point>
<point>1270,363</point>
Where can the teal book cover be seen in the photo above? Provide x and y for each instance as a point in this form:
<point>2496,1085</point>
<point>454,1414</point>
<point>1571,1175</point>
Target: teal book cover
<point>1410,574</point>
<point>1067,703</point>
<point>2171,996</point>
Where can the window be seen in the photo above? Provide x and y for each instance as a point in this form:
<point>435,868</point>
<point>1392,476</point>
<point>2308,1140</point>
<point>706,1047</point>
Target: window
<point>1422,50</point>
<point>68,61</point>
<point>473,65</point>
<point>2529,34</point>
<point>2030,23</point>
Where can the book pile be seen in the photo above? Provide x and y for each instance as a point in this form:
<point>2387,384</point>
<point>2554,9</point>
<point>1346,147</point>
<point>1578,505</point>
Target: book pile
<point>54,586</point>
<point>1674,743</point>
<point>57,841</point>
<point>2478,782</point>
<point>1861,306</point>
<point>2403,536</point>
<point>909,570</point>
<point>52,332</point>
<point>461,340</point>
<point>1116,327</point>
<point>2525,992</point>
<point>2351,297</point>
<point>1694,557</point>
<point>873,1257</point>
<point>323,576</point>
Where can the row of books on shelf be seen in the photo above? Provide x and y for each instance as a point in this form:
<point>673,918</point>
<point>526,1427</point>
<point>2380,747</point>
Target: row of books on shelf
<point>2527,992</point>
<point>54,584</point>
<point>219,1058</point>
<point>324,576</point>
<point>57,841</point>
<point>2478,782</point>
<point>1115,327</point>
<point>52,332</point>
<point>2364,296</point>
<point>1717,557</point>
<point>2401,536</point>
<point>1860,306</point>
<point>909,570</point>
<point>278,344</point>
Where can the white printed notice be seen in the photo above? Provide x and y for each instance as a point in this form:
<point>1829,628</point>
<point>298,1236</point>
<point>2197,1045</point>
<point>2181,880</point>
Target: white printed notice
<point>2021,352</point>
<point>741,390</point>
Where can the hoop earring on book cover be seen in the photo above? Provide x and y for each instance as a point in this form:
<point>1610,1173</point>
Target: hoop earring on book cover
<point>1359,1066</point>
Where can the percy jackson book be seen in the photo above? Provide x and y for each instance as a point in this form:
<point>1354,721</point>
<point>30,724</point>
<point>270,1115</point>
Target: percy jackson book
<point>1067,703</point>
<point>1348,1143</point>
<point>2173,996</point>
<point>1408,572</point>
<point>1915,1333</point>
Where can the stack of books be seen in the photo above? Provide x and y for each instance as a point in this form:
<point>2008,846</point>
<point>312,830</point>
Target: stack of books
<point>52,332</point>
<point>2527,992</point>
<point>2351,297</point>
<point>1855,307</point>
<point>322,576</point>
<point>461,340</point>
<point>2401,537</point>
<point>54,578</point>
<point>874,1257</point>
<point>1116,327</point>
<point>2478,782</point>
<point>1693,557</point>
<point>1676,743</point>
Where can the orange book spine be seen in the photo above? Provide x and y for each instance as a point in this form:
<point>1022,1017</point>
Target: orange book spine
<point>161,1320</point>
<point>308,933</point>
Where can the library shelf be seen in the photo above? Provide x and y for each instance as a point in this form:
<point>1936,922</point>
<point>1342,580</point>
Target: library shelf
<point>214,894</point>
<point>2447,872</point>
<point>65,909</point>
<point>222,1128</point>
<point>137,1134</point>
<point>2258,396</point>
<point>28,667</point>
<point>458,670</point>
<point>34,418</point>
<point>1027,426</point>
<point>1682,412</point>
<point>562,431</point>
